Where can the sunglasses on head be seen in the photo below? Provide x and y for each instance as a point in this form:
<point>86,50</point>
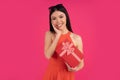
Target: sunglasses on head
<point>58,5</point>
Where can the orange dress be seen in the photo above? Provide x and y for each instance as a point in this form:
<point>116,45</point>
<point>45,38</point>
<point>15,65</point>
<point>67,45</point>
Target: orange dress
<point>57,70</point>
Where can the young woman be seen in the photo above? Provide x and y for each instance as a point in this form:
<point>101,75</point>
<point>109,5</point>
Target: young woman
<point>60,28</point>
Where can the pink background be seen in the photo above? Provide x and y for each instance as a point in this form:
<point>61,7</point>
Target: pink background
<point>23,24</point>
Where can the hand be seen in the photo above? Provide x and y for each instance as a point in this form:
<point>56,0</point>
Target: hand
<point>71,69</point>
<point>58,32</point>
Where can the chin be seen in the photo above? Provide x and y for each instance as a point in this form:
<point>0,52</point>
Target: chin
<point>61,28</point>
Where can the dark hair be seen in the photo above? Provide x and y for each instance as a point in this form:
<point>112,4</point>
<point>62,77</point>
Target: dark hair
<point>59,7</point>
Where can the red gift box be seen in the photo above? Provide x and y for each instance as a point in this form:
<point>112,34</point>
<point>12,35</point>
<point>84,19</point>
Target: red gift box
<point>69,53</point>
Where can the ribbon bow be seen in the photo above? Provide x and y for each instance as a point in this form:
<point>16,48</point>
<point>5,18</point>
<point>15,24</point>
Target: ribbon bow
<point>67,48</point>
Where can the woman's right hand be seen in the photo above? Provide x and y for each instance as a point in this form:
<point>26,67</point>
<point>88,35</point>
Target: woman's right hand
<point>58,32</point>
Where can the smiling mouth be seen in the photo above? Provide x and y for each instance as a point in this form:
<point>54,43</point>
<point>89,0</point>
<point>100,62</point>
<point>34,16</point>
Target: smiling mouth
<point>60,25</point>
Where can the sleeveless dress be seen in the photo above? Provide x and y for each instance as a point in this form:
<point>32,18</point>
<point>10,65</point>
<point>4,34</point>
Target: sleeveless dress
<point>57,70</point>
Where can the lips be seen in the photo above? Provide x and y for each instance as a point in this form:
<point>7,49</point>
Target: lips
<point>59,25</point>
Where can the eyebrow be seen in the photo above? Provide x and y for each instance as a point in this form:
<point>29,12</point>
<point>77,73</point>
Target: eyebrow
<point>58,15</point>
<point>61,14</point>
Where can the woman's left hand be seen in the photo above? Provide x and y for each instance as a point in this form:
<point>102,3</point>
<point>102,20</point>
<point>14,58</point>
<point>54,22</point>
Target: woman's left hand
<point>71,69</point>
<point>79,67</point>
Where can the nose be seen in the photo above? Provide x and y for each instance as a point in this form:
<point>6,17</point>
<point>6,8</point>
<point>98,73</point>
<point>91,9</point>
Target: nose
<point>58,20</point>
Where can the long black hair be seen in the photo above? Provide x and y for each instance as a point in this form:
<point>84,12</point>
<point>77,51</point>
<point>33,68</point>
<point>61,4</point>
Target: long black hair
<point>59,7</point>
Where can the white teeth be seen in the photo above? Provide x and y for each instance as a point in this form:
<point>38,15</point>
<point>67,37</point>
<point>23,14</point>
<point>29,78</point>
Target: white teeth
<point>59,25</point>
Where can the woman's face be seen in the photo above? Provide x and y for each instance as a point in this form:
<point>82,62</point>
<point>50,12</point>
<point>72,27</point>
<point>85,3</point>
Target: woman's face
<point>58,19</point>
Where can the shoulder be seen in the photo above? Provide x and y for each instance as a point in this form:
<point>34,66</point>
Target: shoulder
<point>76,37</point>
<point>49,33</point>
<point>78,41</point>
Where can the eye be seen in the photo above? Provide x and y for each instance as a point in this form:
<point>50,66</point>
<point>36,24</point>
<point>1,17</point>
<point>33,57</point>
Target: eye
<point>61,16</point>
<point>54,18</point>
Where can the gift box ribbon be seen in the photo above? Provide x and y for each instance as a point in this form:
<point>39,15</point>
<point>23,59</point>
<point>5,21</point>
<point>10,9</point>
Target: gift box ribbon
<point>67,48</point>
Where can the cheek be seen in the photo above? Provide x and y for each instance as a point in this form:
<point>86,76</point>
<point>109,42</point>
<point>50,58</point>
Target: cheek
<point>53,22</point>
<point>65,20</point>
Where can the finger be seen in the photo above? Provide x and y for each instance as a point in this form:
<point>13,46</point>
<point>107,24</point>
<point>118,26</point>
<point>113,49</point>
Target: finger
<point>54,27</point>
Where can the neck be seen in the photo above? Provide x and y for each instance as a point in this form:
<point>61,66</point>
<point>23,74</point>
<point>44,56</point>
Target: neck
<point>64,31</point>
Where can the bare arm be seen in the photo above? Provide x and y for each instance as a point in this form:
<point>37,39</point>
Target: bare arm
<point>49,44</point>
<point>80,47</point>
